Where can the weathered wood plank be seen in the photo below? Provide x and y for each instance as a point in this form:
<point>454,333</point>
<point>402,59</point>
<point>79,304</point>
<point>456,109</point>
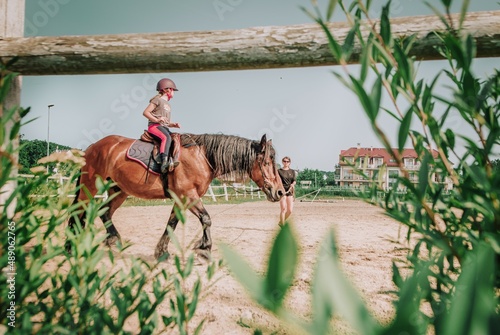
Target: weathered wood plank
<point>252,48</point>
<point>11,25</point>
<point>12,14</point>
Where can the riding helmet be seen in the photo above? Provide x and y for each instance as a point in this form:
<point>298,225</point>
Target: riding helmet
<point>165,83</point>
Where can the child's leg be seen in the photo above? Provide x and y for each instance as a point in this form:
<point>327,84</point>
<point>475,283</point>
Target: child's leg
<point>163,134</point>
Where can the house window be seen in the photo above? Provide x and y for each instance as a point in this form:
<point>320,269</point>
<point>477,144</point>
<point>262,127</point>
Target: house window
<point>393,174</point>
<point>348,159</point>
<point>409,162</point>
<point>348,174</point>
<point>378,162</point>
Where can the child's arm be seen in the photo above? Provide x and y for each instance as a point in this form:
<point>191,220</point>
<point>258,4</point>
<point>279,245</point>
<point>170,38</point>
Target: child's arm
<point>147,113</point>
<point>174,125</point>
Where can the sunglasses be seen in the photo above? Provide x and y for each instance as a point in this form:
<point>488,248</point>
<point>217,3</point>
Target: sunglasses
<point>286,161</point>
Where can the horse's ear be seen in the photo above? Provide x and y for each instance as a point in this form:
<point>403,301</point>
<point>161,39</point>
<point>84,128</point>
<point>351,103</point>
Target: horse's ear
<point>263,142</point>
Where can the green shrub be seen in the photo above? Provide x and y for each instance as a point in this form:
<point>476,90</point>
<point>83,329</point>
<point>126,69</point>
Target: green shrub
<point>454,255</point>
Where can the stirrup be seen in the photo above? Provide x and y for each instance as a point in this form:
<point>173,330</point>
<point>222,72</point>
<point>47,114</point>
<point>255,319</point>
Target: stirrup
<point>172,166</point>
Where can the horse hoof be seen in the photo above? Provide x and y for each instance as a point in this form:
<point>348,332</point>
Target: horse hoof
<point>112,240</point>
<point>204,256</point>
<point>161,256</point>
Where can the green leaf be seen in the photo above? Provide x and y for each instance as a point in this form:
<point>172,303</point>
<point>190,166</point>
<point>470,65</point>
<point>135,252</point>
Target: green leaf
<point>334,46</point>
<point>404,129</point>
<point>348,46</point>
<point>332,292</point>
<point>473,305</point>
<point>5,84</point>
<point>15,131</point>
<point>376,96</point>
<point>404,68</point>
<point>470,50</point>
<point>281,268</point>
<point>8,114</point>
<point>244,274</point>
<point>423,176</point>
<point>438,14</point>
<point>463,13</point>
<point>446,3</point>
<point>457,51</point>
<point>194,302</point>
<point>365,61</point>
<point>331,9</point>
<point>363,97</point>
<point>385,25</point>
<point>450,138</point>
<point>409,319</point>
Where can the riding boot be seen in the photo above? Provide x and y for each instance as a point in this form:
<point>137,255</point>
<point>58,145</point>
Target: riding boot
<point>164,163</point>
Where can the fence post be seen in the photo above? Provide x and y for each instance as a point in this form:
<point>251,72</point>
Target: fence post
<point>12,18</point>
<point>225,192</point>
<point>60,188</point>
<point>211,192</point>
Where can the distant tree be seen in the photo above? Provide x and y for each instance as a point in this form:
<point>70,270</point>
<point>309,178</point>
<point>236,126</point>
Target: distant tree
<point>317,177</point>
<point>32,150</point>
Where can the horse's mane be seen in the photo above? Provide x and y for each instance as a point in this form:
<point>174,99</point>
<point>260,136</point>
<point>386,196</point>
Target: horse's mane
<point>227,154</point>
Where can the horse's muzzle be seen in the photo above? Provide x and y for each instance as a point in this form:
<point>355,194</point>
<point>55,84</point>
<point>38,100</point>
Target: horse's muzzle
<point>274,195</point>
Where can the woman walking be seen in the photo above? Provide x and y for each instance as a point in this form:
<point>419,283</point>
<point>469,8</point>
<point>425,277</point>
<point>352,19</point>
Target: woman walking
<point>288,178</point>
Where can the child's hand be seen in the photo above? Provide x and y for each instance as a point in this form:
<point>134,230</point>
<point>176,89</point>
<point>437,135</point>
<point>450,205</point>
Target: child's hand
<point>174,124</point>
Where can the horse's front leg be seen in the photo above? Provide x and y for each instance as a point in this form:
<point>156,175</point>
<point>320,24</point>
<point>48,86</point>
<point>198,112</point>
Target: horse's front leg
<point>203,247</point>
<point>162,246</point>
<point>114,204</point>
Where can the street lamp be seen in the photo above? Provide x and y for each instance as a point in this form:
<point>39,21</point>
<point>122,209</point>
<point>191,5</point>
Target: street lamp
<point>48,129</point>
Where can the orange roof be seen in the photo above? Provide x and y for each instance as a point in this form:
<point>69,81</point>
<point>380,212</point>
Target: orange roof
<point>378,153</point>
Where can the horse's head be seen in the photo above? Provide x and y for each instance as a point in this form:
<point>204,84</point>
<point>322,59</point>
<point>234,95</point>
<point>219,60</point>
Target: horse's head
<point>264,172</point>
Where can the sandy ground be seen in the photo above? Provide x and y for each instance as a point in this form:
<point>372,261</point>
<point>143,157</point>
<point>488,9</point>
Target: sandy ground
<point>363,233</point>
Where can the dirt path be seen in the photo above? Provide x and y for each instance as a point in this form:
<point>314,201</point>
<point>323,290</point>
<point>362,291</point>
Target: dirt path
<point>362,233</point>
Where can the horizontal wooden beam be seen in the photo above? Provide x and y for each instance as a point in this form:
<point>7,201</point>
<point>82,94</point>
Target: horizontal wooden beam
<point>252,48</point>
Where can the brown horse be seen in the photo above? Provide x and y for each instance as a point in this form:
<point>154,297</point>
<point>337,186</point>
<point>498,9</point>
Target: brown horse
<point>203,158</point>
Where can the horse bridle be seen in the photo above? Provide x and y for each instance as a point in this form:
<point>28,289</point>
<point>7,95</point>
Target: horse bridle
<point>267,181</point>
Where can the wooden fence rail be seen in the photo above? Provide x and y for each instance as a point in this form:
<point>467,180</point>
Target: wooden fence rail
<point>252,48</point>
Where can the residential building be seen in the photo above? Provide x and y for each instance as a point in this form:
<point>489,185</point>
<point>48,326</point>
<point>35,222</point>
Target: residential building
<point>377,164</point>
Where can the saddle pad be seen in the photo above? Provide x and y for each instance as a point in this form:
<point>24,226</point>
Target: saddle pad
<point>140,152</point>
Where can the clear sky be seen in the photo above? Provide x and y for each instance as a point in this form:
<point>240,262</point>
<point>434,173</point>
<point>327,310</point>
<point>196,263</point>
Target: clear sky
<point>309,115</point>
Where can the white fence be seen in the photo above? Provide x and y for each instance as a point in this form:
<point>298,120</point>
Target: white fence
<point>236,190</point>
<point>226,191</point>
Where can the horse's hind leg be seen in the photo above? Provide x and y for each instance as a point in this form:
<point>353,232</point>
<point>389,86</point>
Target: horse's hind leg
<point>113,205</point>
<point>161,250</point>
<point>203,247</point>
<point>80,195</point>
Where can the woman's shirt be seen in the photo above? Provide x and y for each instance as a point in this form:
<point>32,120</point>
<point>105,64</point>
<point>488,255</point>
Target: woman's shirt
<point>287,177</point>
<point>162,109</point>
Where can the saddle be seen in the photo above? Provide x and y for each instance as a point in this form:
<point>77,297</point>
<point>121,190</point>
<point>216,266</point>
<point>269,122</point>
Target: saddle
<point>146,151</point>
